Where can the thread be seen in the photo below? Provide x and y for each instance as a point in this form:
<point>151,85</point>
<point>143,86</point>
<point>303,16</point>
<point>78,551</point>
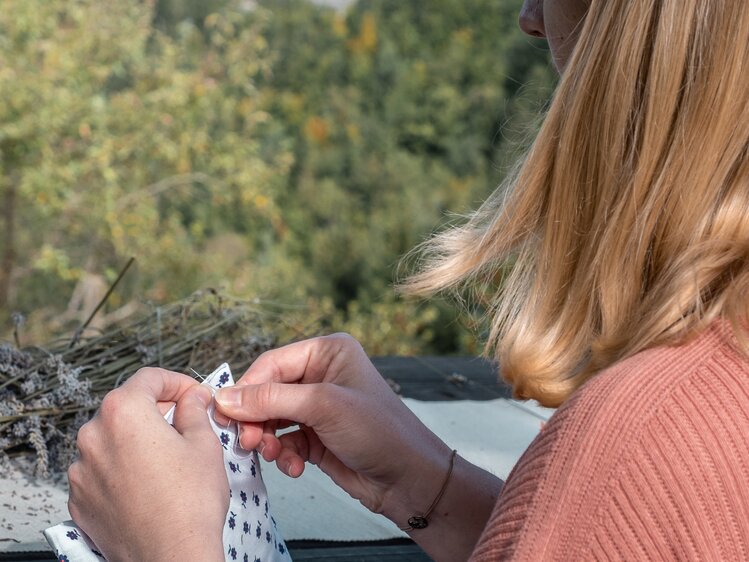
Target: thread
<point>201,377</point>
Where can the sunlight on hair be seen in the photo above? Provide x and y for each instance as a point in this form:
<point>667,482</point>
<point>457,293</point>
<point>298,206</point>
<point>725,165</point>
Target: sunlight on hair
<point>628,220</point>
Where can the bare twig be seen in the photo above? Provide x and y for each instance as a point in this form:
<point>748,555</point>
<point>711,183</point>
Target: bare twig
<point>104,299</point>
<point>47,393</point>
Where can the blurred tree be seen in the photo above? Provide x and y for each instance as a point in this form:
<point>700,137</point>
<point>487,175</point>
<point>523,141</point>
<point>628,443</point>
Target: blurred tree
<point>276,147</point>
<point>120,140</point>
<point>395,115</point>
<point>169,14</point>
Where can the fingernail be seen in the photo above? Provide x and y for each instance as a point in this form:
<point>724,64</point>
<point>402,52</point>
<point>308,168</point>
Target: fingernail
<point>229,397</point>
<point>287,468</point>
<point>260,448</point>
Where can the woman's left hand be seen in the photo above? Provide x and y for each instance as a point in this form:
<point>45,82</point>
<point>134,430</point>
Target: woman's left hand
<point>142,489</point>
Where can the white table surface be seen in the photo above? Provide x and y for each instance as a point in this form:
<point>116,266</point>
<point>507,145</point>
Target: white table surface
<point>491,434</point>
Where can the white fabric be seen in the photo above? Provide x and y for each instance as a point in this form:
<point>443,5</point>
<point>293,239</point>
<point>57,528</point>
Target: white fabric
<point>250,532</point>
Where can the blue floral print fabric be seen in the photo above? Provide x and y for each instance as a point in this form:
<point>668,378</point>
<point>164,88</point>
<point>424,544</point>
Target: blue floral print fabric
<point>250,532</point>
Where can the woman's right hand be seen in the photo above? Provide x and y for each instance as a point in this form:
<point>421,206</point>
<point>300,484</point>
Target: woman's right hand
<point>352,425</point>
<point>355,428</point>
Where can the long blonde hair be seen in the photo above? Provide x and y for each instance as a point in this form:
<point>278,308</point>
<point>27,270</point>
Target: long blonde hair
<point>627,223</point>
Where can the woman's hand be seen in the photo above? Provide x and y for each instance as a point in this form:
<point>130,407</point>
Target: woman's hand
<point>362,435</point>
<point>352,424</point>
<point>142,489</point>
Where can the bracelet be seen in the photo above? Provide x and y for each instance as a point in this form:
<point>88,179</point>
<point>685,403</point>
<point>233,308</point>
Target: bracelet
<point>422,521</point>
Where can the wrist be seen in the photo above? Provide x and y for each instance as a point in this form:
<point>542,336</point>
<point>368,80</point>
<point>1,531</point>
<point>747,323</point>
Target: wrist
<point>460,515</point>
<point>188,546</point>
<point>419,485</point>
<point>198,551</point>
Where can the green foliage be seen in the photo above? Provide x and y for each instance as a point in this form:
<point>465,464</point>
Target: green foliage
<point>279,148</point>
<point>123,140</point>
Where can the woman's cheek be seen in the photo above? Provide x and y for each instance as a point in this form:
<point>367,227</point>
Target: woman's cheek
<point>563,20</point>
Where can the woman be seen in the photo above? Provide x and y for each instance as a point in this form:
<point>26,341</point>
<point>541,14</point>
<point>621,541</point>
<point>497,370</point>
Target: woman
<point>628,223</point>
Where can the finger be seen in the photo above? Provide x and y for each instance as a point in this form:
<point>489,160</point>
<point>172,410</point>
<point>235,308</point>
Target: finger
<point>342,475</point>
<point>306,361</point>
<point>302,403</point>
<point>220,418</point>
<point>159,385</point>
<point>164,407</point>
<point>250,435</point>
<point>269,429</point>
<point>304,445</point>
<point>191,413</point>
<point>294,454</point>
<point>269,447</point>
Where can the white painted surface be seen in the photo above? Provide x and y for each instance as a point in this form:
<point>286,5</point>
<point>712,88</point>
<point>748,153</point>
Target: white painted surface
<point>491,434</point>
<point>28,506</point>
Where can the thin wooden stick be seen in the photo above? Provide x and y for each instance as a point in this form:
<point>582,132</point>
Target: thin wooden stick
<point>83,327</point>
<point>193,334</point>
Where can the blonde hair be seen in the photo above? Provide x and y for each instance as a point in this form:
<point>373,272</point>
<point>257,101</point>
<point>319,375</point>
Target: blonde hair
<point>627,223</point>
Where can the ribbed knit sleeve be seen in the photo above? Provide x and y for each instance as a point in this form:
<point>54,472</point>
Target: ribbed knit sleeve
<point>648,461</point>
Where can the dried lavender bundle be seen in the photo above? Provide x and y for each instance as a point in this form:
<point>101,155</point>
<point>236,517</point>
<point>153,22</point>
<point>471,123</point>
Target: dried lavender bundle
<point>46,394</point>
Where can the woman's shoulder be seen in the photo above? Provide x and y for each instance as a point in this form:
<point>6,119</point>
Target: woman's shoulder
<point>709,368</point>
<point>694,392</point>
<point>661,434</point>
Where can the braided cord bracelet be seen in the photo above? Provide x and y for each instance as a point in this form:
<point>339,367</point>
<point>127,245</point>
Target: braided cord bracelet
<point>422,521</point>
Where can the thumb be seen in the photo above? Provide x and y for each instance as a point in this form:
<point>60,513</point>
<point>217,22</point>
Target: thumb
<point>191,413</point>
<point>301,403</point>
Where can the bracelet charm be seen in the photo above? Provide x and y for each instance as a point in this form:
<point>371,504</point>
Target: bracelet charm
<point>422,521</point>
<point>417,522</point>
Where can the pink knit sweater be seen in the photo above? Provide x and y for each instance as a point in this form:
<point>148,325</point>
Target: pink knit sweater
<point>647,461</point>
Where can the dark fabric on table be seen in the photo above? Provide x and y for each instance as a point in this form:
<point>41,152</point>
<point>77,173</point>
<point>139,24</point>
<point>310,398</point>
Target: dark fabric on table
<point>443,378</point>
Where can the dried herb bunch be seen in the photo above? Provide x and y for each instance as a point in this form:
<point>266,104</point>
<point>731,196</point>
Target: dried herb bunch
<point>46,394</point>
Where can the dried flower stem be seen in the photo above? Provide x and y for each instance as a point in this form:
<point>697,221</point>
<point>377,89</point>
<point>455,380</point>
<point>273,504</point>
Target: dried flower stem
<point>57,388</point>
